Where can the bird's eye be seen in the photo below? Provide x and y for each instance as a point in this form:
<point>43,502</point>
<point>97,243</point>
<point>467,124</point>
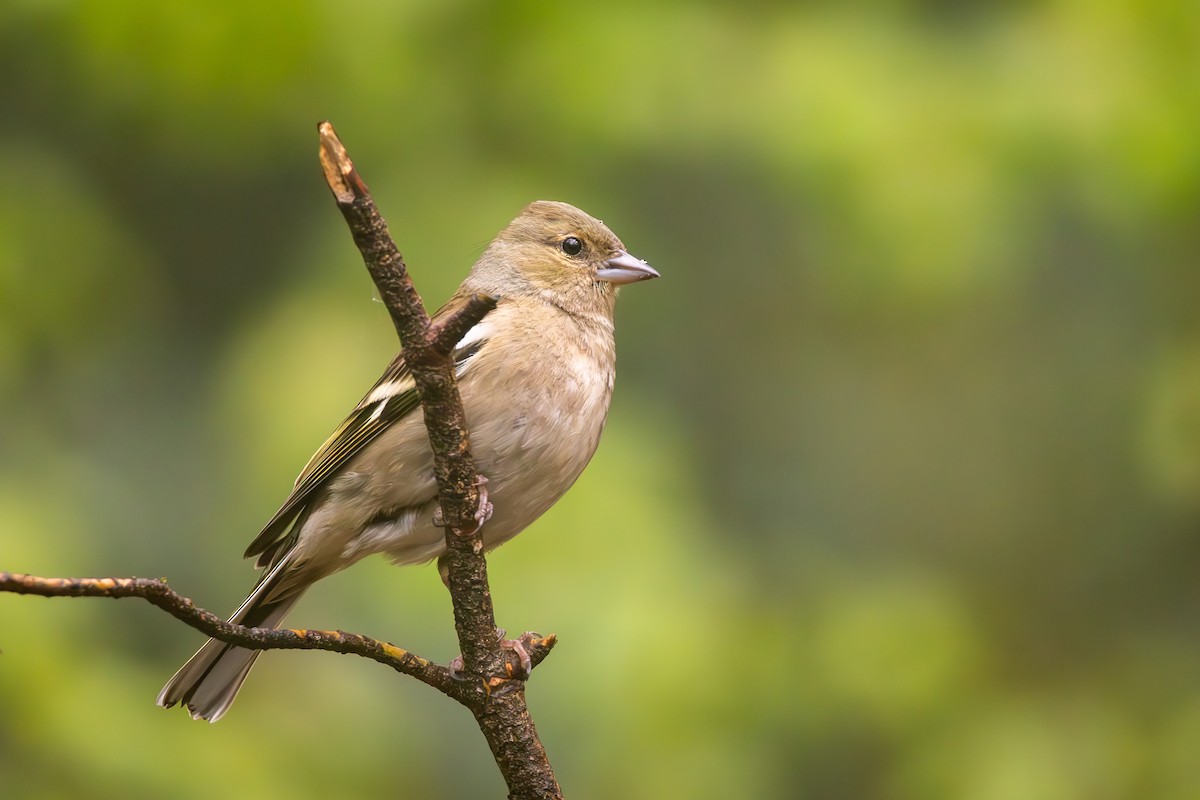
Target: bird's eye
<point>571,246</point>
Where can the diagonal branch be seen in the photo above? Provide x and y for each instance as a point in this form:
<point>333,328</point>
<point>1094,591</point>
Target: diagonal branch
<point>433,373</point>
<point>502,715</point>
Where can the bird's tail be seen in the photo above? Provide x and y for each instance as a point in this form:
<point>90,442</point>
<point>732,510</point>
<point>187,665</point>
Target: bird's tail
<point>209,681</point>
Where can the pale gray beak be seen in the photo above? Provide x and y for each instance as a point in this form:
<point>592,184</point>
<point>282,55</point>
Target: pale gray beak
<point>624,268</point>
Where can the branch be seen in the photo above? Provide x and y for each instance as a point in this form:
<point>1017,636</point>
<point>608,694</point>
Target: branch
<point>156,592</point>
<point>502,715</point>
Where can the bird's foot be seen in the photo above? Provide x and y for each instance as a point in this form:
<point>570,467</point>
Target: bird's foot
<point>516,646</point>
<point>483,512</point>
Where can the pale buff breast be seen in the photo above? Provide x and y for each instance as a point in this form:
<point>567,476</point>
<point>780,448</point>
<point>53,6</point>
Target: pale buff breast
<point>534,430</point>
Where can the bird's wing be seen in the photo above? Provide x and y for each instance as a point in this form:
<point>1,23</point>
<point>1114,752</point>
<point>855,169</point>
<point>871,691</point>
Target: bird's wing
<point>392,398</point>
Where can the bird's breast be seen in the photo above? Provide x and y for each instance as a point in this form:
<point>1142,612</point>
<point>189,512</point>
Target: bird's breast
<point>533,428</point>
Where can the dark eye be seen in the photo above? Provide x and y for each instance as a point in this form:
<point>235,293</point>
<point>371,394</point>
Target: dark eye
<point>571,246</point>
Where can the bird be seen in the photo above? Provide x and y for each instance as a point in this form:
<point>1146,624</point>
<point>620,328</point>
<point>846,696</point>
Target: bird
<point>535,375</point>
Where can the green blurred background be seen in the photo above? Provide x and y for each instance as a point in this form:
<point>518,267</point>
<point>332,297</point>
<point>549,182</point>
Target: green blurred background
<point>900,493</point>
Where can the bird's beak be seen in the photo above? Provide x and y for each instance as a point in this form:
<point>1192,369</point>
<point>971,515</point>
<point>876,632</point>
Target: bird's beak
<point>624,268</point>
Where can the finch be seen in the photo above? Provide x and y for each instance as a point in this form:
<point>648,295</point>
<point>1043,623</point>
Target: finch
<point>536,376</point>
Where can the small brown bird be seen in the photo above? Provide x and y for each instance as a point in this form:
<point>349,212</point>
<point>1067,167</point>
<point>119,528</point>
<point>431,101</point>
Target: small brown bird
<point>535,375</point>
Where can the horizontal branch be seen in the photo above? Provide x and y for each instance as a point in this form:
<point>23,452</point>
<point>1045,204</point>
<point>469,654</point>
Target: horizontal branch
<point>156,592</point>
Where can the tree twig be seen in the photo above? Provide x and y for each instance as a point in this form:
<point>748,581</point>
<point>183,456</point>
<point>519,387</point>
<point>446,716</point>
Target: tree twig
<point>500,707</point>
<point>158,593</point>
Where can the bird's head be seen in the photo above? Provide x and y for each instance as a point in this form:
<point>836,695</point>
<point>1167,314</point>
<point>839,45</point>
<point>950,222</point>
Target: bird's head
<point>558,253</point>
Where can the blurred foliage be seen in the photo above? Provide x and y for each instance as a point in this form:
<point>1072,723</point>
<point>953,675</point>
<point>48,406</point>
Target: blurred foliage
<point>900,493</point>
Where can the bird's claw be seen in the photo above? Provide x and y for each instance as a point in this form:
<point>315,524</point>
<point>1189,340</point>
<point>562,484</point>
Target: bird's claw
<point>516,646</point>
<point>483,512</point>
